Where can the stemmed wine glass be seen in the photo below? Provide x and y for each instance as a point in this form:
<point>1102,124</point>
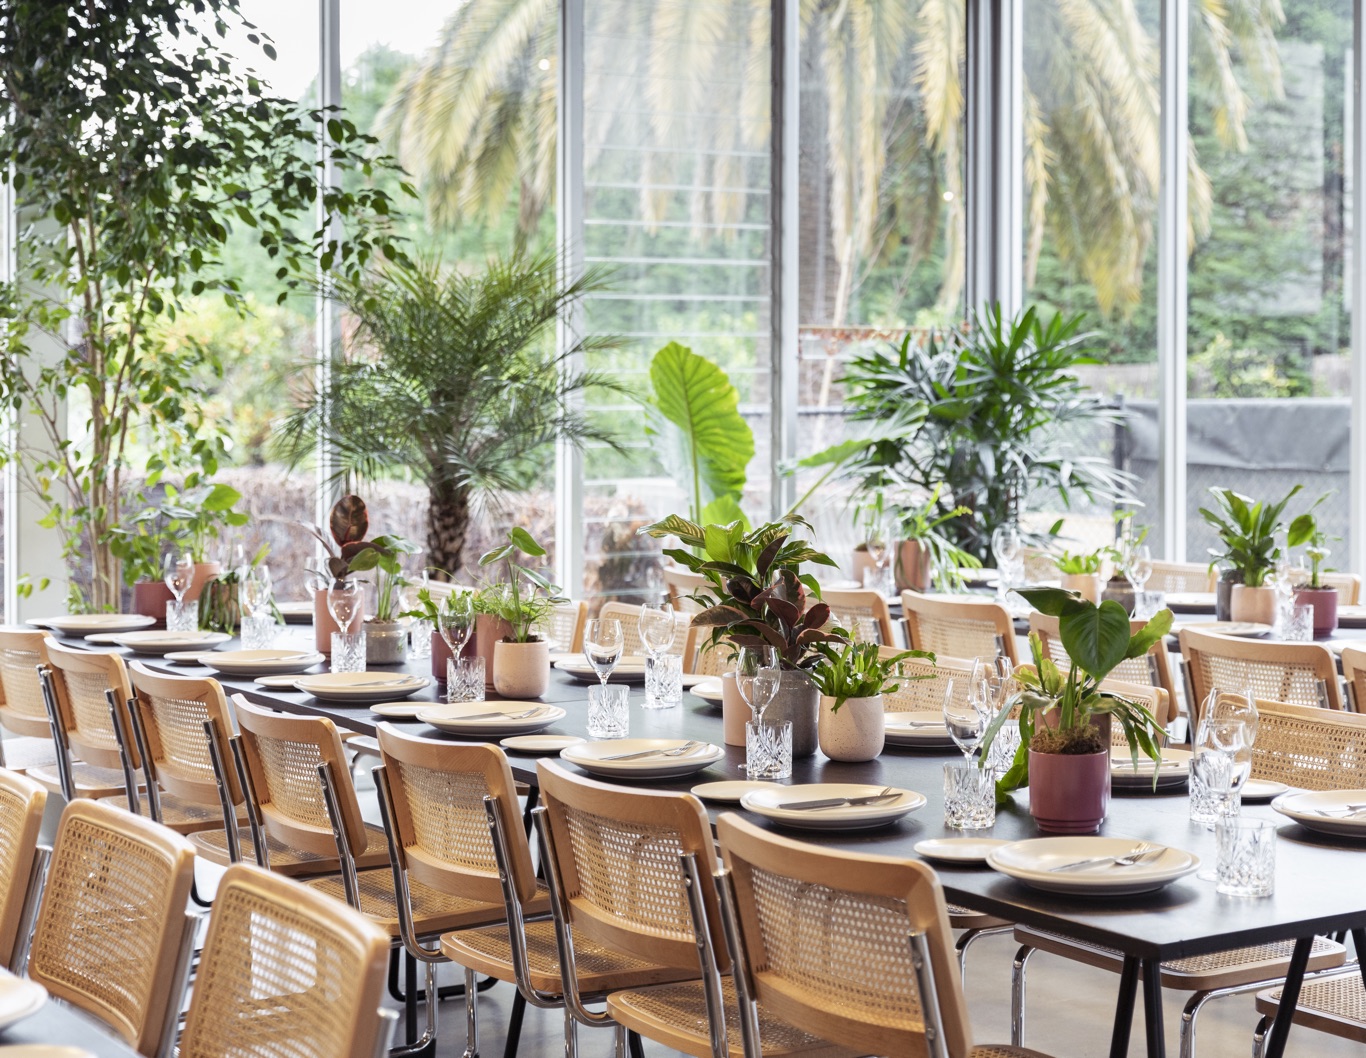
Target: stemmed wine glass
<point>1232,705</point>
<point>657,628</point>
<point>1222,760</point>
<point>455,621</point>
<point>178,569</point>
<point>967,711</point>
<point>756,678</point>
<point>1007,548</point>
<point>877,542</point>
<point>1140,569</point>
<point>254,591</point>
<point>344,598</point>
<point>602,645</point>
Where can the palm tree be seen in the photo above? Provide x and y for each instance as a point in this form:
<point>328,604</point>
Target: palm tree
<point>452,378</point>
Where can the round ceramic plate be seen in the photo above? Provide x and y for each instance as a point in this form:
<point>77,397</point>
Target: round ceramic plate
<point>1340,812</point>
<point>1352,616</point>
<point>539,743</point>
<point>628,670</point>
<point>925,730</point>
<point>43,1050</point>
<point>730,789</point>
<point>1189,601</point>
<point>398,710</point>
<point>263,662</point>
<point>1259,791</point>
<point>86,623</point>
<point>709,690</point>
<point>1034,862</point>
<point>1172,771</point>
<point>279,683</point>
<point>185,657</point>
<point>771,805</point>
<point>958,850</point>
<point>360,688</point>
<point>19,998</point>
<point>491,719</point>
<point>160,643</point>
<point>590,757</point>
<point>1241,629</point>
<point>296,613</point>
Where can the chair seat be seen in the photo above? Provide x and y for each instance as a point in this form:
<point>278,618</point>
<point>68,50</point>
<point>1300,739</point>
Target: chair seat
<point>22,753</point>
<point>212,845</point>
<point>433,910</point>
<point>182,816</point>
<point>1335,1005</point>
<point>89,780</point>
<point>1199,973</point>
<point>487,951</point>
<point>1003,1050</point>
<point>676,1016</point>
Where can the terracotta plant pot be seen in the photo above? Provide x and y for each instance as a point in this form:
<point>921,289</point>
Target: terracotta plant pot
<point>798,700</point>
<point>860,565</point>
<point>203,573</point>
<point>912,566</point>
<point>521,670</point>
<point>324,626</point>
<point>1253,604</point>
<point>150,598</point>
<point>441,654</point>
<point>1087,585</point>
<point>1118,589</point>
<point>488,632</point>
<point>386,642</point>
<point>735,714</point>
<point>854,732</point>
<point>1223,594</point>
<point>1325,604</point>
<point>1069,793</point>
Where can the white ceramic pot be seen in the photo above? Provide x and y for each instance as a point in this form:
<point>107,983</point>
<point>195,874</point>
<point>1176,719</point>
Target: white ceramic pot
<point>854,732</point>
<point>386,642</point>
<point>521,670</point>
<point>735,714</point>
<point>1253,604</point>
<point>1087,585</point>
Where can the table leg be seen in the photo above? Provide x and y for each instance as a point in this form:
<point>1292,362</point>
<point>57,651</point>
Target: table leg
<point>1124,1008</point>
<point>1359,943</point>
<point>1152,1008</point>
<point>1290,997</point>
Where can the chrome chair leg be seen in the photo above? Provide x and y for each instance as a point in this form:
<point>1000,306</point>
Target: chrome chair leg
<point>1017,995</point>
<point>619,1041</point>
<point>471,1015</point>
<point>571,1034</point>
<point>968,939</point>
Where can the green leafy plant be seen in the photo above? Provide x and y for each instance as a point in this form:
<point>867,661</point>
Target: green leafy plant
<point>426,608</point>
<point>701,437</point>
<point>1247,530</point>
<point>384,557</point>
<point>1305,531</point>
<point>525,597</point>
<point>926,522</point>
<point>1085,563</point>
<point>756,594</point>
<point>1096,639</point>
<point>347,524</point>
<point>219,605</point>
<point>858,670</point>
<point>188,518</point>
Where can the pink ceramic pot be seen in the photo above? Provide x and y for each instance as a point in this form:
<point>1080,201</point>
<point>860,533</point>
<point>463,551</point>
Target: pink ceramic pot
<point>1069,793</point>
<point>912,566</point>
<point>1325,604</point>
<point>150,598</point>
<point>324,626</point>
<point>487,631</point>
<point>441,654</point>
<point>735,714</point>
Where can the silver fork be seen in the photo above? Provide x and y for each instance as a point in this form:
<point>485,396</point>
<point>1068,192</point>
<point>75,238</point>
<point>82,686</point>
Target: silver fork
<point>677,751</point>
<point>1138,854</point>
<point>504,716</point>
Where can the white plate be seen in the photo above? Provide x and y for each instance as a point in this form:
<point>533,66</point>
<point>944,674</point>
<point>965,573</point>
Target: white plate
<point>1241,629</point>
<point>159,643</point>
<point>539,743</point>
<point>958,850</point>
<point>709,690</point>
<point>448,717</point>
<point>19,999</point>
<point>768,803</point>
<point>1303,807</point>
<point>1352,616</point>
<point>729,789</point>
<point>1259,791</point>
<point>263,662</point>
<point>85,623</point>
<point>360,687</point>
<point>923,729</point>
<point>1175,770</point>
<point>43,1050</point>
<point>1189,601</point>
<point>588,756</point>
<point>398,710</point>
<point>628,670</point>
<point>296,613</point>
<point>1030,862</point>
<point>185,657</point>
<point>279,683</point>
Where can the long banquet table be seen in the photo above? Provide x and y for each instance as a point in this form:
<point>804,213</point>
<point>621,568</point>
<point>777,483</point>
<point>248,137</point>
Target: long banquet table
<point>1314,891</point>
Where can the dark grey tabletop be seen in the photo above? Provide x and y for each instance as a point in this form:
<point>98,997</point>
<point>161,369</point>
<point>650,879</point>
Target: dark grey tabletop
<point>57,1024</point>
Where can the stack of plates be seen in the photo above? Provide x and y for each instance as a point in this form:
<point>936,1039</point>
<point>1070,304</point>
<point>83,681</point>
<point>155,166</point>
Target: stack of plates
<point>1189,601</point>
<point>296,613</point>
<point>160,643</point>
<point>88,623</point>
<point>630,669</point>
<point>775,804</point>
<point>360,688</point>
<point>1036,860</point>
<point>922,730</point>
<point>709,690</point>
<point>1340,812</point>
<point>652,763</point>
<point>262,662</point>
<point>491,719</point>
<point>1242,629</point>
<point>1173,771</point>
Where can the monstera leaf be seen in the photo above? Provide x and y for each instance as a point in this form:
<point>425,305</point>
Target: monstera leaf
<point>702,438</point>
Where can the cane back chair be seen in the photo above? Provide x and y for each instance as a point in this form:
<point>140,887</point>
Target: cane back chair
<point>23,863</point>
<point>864,614</point>
<point>22,707</point>
<point>1298,673</point>
<point>959,626</point>
<point>1153,669</point>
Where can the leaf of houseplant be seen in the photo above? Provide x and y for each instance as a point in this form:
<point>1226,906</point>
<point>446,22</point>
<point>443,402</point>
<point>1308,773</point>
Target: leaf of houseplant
<point>1157,627</point>
<point>1096,638</point>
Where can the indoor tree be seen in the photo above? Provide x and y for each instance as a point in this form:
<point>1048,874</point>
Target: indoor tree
<point>136,144</point>
<point>453,377</point>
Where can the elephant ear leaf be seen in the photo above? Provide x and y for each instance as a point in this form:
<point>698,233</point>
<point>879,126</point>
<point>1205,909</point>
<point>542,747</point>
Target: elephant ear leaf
<point>1096,637</point>
<point>705,441</point>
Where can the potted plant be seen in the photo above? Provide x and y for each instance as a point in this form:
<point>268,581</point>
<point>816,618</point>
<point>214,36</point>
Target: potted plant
<point>1247,530</point>
<point>1306,531</point>
<point>386,639</point>
<point>219,605</point>
<point>1081,573</point>
<point>347,524</point>
<point>852,678</point>
<point>1064,754</point>
<point>925,553</point>
<point>757,596</point>
<point>427,609</point>
<point>521,659</point>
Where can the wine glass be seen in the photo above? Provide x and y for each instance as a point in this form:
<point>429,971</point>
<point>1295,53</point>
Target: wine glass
<point>1222,760</point>
<point>254,590</point>
<point>657,628</point>
<point>967,712</point>
<point>1008,549</point>
<point>602,644</point>
<point>757,675</point>
<point>1140,569</point>
<point>877,543</point>
<point>178,570</point>
<point>455,621</point>
<point>1232,705</point>
<point>344,599</point>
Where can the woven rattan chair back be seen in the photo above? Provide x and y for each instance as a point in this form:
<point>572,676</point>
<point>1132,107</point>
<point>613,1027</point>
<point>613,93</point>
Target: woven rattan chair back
<point>81,680</point>
<point>863,613</point>
<point>618,854</point>
<point>1309,748</point>
<point>703,659</point>
<point>21,818</point>
<point>830,939</point>
<point>172,711</point>
<point>680,584</point>
<point>22,709</point>
<point>1154,699</point>
<point>282,754</point>
<point>563,626</point>
<point>1153,669</point>
<point>921,688</point>
<point>1039,564</point>
<point>112,922</point>
<point>1354,673</point>
<point>959,627</point>
<point>1347,584</point>
<point>285,971</point>
<point>442,828</point>
<point>1186,577</point>
<point>629,616</point>
<point>1297,673</point>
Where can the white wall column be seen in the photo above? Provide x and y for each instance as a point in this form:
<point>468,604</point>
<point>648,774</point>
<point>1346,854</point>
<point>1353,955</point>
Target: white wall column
<point>783,260</point>
<point>328,311</point>
<point>1356,519</point>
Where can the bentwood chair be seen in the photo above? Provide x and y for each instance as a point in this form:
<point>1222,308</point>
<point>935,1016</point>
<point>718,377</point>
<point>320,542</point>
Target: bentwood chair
<point>846,948</point>
<point>1153,669</point>
<point>1184,577</point>
<point>630,870</point>
<point>1301,746</point>
<point>923,682</point>
<point>22,708</point>
<point>629,616</point>
<point>959,626</point>
<point>863,613</point>
<point>1298,673</point>
<point>285,970</point>
<point>112,937</point>
<point>23,864</point>
<point>1354,675</point>
<point>563,626</point>
<point>680,584</point>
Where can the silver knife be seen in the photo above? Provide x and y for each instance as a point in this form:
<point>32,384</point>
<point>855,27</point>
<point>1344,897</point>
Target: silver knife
<point>835,802</point>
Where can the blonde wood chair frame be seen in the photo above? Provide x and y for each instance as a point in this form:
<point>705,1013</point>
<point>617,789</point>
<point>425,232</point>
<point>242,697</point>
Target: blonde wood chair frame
<point>23,864</point>
<point>1354,675</point>
<point>869,611</point>
<point>1153,669</point>
<point>680,584</point>
<point>629,616</point>
<point>565,624</point>
<point>958,626</point>
<point>23,707</point>
<point>1183,577</point>
<point>1298,673</point>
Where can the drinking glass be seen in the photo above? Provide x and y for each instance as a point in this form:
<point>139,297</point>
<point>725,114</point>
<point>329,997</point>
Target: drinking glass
<point>969,796</point>
<point>178,571</point>
<point>344,598</point>
<point>608,713</point>
<point>348,651</point>
<point>877,542</point>
<point>258,630</point>
<point>663,681</point>
<point>768,749</point>
<point>602,645</point>
<point>657,628</point>
<point>1299,625</point>
<point>1247,857</point>
<point>1222,762</point>
<point>1008,550</point>
<point>1225,704</point>
<point>455,621</point>
<point>756,678</point>
<point>182,616</point>
<point>967,712</point>
<point>464,679</point>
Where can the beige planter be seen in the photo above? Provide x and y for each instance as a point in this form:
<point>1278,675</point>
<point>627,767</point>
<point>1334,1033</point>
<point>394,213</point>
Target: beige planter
<point>735,714</point>
<point>857,731</point>
<point>324,626</point>
<point>386,642</point>
<point>1253,604</point>
<point>1087,585</point>
<point>203,573</point>
<point>912,566</point>
<point>521,670</point>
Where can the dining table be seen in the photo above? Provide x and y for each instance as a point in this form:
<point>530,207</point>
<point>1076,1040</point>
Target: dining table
<point>1313,895</point>
<point>57,1024</point>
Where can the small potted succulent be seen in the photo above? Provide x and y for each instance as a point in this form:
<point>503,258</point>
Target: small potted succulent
<point>757,596</point>
<point>1247,530</point>
<point>347,524</point>
<point>521,659</point>
<point>852,678</point>
<point>1064,754</point>
<point>386,640</point>
<point>1081,573</point>
<point>1305,531</point>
